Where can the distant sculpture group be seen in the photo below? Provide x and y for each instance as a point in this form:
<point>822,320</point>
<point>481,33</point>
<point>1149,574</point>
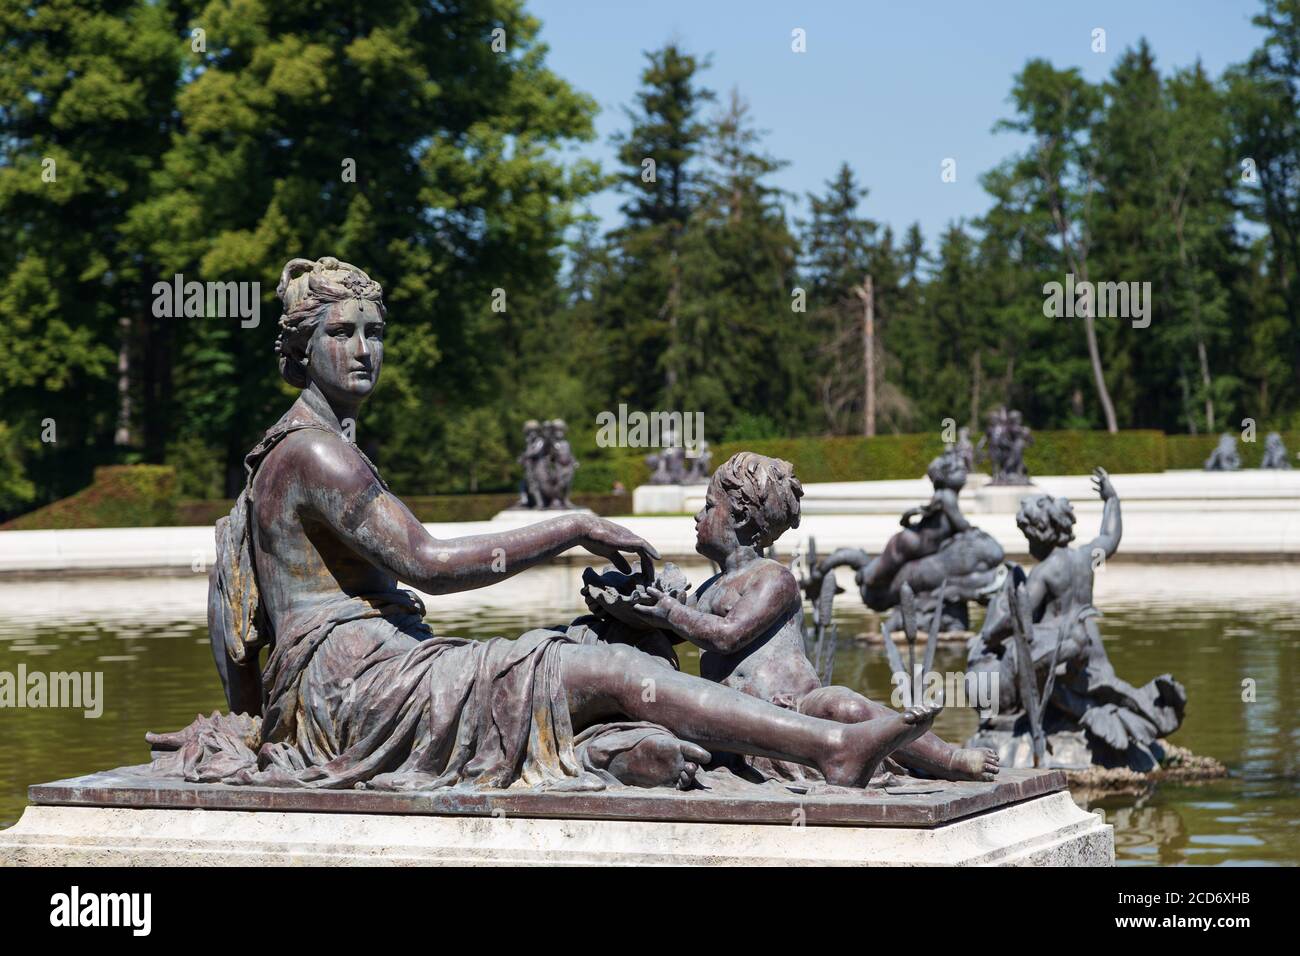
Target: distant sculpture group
<point>548,465</point>
<point>1225,456</point>
<point>674,466</point>
<point>1004,445</point>
<point>1275,453</point>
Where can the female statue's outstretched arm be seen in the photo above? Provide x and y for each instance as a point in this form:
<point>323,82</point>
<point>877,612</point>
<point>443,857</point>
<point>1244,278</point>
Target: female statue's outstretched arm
<point>340,490</point>
<point>600,681</point>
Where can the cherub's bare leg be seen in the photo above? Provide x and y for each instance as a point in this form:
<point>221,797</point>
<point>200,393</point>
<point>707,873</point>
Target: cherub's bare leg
<point>930,754</point>
<point>659,761</point>
<point>606,681</point>
<point>904,546</point>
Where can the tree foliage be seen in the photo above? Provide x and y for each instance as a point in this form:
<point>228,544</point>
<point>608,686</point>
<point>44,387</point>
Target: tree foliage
<point>430,144</point>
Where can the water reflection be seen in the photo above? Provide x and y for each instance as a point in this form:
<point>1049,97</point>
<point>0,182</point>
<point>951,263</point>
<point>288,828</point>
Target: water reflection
<point>1228,633</point>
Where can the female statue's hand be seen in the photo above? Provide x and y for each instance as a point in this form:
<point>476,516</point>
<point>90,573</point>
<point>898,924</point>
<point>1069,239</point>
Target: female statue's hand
<point>607,540</point>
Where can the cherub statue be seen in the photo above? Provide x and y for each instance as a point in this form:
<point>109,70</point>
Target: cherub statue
<point>964,449</point>
<point>1121,721</point>
<point>701,466</point>
<point>558,465</point>
<point>530,491</point>
<point>1225,456</point>
<point>925,528</point>
<point>1275,453</point>
<point>748,623</point>
<point>937,545</point>
<point>1005,442</point>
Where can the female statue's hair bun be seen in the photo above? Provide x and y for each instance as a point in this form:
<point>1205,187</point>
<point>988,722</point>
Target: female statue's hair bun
<point>307,289</point>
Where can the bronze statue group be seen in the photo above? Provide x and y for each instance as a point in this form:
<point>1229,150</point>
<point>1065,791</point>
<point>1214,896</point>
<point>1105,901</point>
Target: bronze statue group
<point>334,678</point>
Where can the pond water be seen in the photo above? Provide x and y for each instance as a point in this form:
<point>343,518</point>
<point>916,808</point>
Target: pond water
<point>1217,628</point>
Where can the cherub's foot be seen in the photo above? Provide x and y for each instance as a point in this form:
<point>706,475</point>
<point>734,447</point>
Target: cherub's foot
<point>973,763</point>
<point>867,743</point>
<point>659,761</point>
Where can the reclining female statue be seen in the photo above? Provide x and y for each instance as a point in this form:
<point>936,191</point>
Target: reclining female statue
<point>357,691</point>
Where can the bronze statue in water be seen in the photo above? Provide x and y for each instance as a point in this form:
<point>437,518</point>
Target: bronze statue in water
<point>357,691</point>
<point>1091,715</point>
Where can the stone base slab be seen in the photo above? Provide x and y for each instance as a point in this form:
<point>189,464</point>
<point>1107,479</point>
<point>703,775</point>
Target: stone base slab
<point>1045,831</point>
<point>665,499</point>
<point>993,499</point>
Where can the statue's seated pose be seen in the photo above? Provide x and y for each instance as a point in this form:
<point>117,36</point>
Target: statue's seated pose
<point>1225,456</point>
<point>748,619</point>
<point>942,548</point>
<point>1120,721</point>
<point>926,528</point>
<point>1275,453</point>
<point>356,690</point>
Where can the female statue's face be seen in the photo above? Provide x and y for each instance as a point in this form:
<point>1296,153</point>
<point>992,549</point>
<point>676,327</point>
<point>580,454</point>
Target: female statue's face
<point>347,351</point>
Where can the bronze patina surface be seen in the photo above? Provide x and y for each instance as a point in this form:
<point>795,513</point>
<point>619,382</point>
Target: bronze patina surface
<point>336,680</point>
<point>913,803</point>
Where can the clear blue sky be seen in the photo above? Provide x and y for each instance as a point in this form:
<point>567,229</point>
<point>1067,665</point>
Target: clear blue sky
<point>891,87</point>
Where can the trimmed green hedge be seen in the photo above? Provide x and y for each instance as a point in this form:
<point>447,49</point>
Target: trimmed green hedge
<point>440,508</point>
<point>430,508</point>
<point>1079,452</point>
<point>845,458</point>
<point>121,496</point>
<point>1190,451</point>
<point>146,495</point>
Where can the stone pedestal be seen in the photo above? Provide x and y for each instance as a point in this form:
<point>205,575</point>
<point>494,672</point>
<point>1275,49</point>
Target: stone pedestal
<point>122,818</point>
<point>1044,831</point>
<point>664,499</point>
<point>991,499</point>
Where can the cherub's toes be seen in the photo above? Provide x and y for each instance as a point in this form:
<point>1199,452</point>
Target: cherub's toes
<point>167,740</point>
<point>695,753</point>
<point>921,712</point>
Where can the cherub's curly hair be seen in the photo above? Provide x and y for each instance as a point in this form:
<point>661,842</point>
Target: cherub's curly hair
<point>946,469</point>
<point>1046,519</point>
<point>763,492</point>
<point>307,289</point>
